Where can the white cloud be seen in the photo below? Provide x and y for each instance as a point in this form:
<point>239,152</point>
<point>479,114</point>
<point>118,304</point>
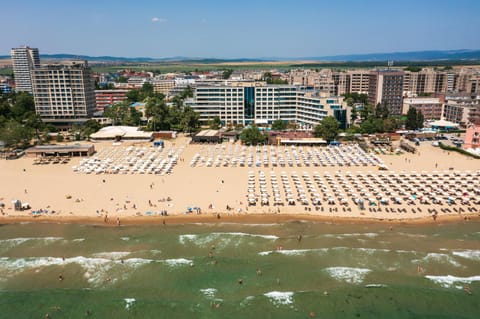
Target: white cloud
<point>159,20</point>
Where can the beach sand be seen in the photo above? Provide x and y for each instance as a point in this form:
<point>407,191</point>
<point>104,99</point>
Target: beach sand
<point>128,197</point>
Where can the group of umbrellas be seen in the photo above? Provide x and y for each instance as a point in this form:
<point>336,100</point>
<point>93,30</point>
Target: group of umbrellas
<point>283,156</point>
<point>372,189</point>
<point>131,160</point>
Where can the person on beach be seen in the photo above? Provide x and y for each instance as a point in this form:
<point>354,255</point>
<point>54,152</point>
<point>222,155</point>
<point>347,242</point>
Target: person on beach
<point>118,221</point>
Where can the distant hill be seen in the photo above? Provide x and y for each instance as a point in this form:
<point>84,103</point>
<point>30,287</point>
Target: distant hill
<point>405,56</point>
<point>438,55</point>
<point>113,59</point>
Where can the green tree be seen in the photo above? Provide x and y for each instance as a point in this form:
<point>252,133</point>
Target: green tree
<point>215,123</point>
<point>122,79</point>
<point>372,125</point>
<point>226,74</point>
<point>157,112</point>
<point>34,122</point>
<point>190,120</point>
<point>15,134</point>
<point>252,136</point>
<point>327,129</point>
<point>187,92</point>
<point>420,119</point>
<point>23,104</point>
<point>133,95</point>
<point>90,127</point>
<point>367,111</point>
<point>411,121</point>
<point>267,77</point>
<point>279,125</point>
<point>123,114</point>
<point>354,98</point>
<point>381,111</point>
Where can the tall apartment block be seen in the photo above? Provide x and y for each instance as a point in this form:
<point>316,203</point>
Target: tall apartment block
<point>386,87</point>
<point>24,61</point>
<point>64,93</point>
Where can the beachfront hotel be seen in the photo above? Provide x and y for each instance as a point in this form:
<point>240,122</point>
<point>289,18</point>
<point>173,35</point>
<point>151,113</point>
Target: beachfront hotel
<point>262,104</point>
<point>386,87</point>
<point>64,93</point>
<point>24,61</point>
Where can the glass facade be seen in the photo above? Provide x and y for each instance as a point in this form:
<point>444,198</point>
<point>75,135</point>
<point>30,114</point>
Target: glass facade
<point>249,103</point>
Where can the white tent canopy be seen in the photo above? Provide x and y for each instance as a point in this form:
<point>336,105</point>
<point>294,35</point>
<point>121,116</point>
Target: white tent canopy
<point>443,123</point>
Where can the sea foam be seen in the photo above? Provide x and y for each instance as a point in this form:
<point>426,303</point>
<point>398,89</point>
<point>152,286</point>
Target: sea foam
<point>348,274</point>
<point>280,297</point>
<point>449,280</point>
<point>468,254</point>
<point>178,262</point>
<point>438,258</point>
<point>112,254</point>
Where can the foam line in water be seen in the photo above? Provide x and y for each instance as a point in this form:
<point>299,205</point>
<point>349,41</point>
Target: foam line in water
<point>212,236</point>
<point>299,252</point>
<point>112,254</point>
<point>342,235</point>
<point>348,274</point>
<point>468,254</point>
<point>280,297</point>
<point>437,258</point>
<point>449,280</point>
<point>178,262</point>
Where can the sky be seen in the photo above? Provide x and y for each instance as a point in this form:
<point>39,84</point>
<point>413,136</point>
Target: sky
<point>240,28</point>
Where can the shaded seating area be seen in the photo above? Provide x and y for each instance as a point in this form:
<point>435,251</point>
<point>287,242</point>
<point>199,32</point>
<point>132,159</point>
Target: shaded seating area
<point>61,150</point>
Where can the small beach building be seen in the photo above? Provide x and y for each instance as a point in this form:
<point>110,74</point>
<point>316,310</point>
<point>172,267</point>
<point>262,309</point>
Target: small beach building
<point>207,136</point>
<point>69,150</point>
<point>120,133</point>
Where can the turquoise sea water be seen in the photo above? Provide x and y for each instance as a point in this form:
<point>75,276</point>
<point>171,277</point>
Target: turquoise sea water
<point>193,271</point>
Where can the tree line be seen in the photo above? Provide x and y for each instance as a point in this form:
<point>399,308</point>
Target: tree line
<point>159,114</point>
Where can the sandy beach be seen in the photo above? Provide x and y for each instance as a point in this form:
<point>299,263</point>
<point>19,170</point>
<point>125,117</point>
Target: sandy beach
<point>74,197</point>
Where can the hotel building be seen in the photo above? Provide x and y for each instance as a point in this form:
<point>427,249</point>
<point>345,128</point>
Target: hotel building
<point>263,104</point>
<point>386,87</point>
<point>24,61</point>
<point>105,98</point>
<point>64,93</point>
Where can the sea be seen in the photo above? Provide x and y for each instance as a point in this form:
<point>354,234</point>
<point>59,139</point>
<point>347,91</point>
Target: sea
<point>296,269</point>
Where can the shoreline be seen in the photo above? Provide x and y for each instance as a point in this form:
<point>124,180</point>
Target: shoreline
<point>58,193</point>
<point>212,218</point>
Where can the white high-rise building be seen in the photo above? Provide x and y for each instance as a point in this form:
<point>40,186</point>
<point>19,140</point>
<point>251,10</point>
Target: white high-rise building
<point>24,61</point>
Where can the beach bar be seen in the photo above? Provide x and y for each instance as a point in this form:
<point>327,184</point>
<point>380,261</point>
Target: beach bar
<point>61,150</point>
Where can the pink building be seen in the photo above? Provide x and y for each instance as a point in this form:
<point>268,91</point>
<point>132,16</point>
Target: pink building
<point>472,137</point>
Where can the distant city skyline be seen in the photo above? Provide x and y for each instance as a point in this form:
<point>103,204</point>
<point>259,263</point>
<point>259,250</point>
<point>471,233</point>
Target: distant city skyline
<point>246,29</point>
